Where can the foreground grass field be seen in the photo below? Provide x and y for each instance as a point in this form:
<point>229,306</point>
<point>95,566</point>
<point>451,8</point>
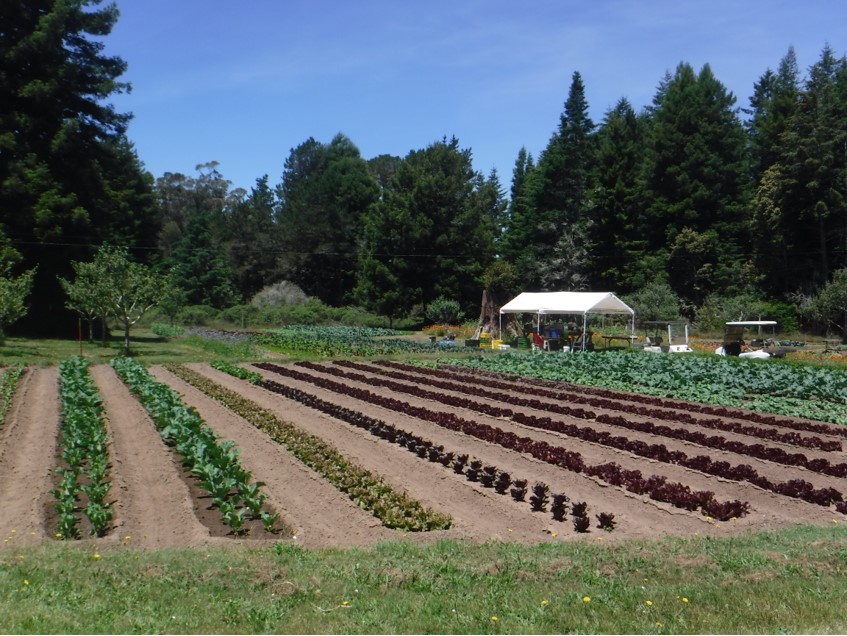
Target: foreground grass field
<point>783,582</point>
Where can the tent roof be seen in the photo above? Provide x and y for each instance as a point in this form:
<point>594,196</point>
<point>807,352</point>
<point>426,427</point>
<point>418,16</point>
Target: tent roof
<point>566,303</point>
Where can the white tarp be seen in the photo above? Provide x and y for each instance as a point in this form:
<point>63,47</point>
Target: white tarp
<point>566,303</point>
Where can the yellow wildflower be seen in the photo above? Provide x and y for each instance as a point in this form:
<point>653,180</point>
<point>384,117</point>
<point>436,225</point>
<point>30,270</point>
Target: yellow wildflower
<point>586,599</point>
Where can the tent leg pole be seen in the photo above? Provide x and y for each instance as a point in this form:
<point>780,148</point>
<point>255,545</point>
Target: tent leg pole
<point>584,330</point>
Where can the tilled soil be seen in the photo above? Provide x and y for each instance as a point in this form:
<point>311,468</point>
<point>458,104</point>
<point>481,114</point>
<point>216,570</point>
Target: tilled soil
<point>155,504</point>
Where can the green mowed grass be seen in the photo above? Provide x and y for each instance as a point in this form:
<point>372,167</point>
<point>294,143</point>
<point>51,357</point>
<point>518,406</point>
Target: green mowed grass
<point>791,581</point>
<point>146,346</point>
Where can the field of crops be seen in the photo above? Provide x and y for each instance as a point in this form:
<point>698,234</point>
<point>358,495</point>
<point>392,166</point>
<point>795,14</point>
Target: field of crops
<point>357,450</point>
<point>402,443</point>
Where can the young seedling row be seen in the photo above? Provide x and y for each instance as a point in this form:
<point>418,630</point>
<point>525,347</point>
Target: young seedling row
<point>797,488</point>
<point>84,451</point>
<point>216,465</point>
<point>657,487</point>
<point>473,469</point>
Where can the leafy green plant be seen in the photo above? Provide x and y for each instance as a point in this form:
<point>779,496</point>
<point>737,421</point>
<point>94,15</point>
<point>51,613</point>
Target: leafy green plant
<point>8,383</point>
<point>84,451</point>
<point>393,509</point>
<point>215,462</point>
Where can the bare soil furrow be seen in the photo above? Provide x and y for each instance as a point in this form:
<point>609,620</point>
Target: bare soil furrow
<point>319,514</point>
<point>768,509</point>
<point>28,459</point>
<point>152,503</point>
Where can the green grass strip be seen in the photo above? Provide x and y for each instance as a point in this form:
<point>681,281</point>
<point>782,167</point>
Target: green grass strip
<point>368,491</point>
<point>786,582</point>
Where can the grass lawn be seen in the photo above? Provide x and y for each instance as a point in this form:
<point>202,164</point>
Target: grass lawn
<point>791,581</point>
<point>144,345</point>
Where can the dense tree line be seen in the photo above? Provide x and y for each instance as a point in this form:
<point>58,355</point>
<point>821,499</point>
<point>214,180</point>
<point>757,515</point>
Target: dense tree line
<point>692,198</point>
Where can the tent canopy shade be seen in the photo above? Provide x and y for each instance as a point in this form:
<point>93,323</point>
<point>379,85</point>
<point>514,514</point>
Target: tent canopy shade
<point>566,303</point>
<point>563,303</point>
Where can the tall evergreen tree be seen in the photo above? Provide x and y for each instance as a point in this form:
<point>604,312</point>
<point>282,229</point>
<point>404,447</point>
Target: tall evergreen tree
<point>560,196</point>
<point>192,236</point>
<point>65,167</point>
<point>252,240</point>
<point>773,103</point>
<point>617,240</point>
<point>697,222</point>
<point>810,194</point>
<point>431,235</point>
<point>518,229</point>
<point>325,191</point>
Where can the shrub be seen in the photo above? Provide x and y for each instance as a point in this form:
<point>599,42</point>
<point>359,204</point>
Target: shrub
<point>281,293</point>
<point>444,311</point>
<point>197,315</point>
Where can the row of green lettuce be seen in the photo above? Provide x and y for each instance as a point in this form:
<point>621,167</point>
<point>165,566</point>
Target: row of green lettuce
<point>763,385</point>
<point>315,340</point>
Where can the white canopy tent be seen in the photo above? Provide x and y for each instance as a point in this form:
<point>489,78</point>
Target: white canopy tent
<point>567,303</point>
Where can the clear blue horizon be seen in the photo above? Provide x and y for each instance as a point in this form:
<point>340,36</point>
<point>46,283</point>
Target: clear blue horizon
<point>244,83</point>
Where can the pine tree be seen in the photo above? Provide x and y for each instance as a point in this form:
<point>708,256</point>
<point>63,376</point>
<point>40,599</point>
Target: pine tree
<point>68,178</point>
<point>811,194</point>
<point>560,192</point>
<point>617,237</point>
<point>696,222</point>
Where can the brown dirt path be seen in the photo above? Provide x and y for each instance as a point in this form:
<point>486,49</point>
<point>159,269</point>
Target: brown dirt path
<point>319,513</point>
<point>151,503</point>
<point>28,458</point>
<point>768,510</point>
<point>477,513</point>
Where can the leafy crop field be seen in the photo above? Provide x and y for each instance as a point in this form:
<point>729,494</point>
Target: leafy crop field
<point>575,479</point>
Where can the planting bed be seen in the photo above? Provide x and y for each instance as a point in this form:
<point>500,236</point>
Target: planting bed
<point>453,443</point>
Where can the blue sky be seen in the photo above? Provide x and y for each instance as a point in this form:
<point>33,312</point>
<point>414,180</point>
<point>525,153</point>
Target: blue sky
<point>242,83</point>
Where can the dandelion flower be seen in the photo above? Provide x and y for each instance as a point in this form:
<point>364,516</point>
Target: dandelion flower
<point>59,534</point>
<point>649,603</point>
<point>545,602</point>
<point>552,534</point>
<point>494,619</point>
<point>586,599</point>
<point>345,603</point>
<point>26,582</point>
<point>96,556</point>
<point>684,600</point>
